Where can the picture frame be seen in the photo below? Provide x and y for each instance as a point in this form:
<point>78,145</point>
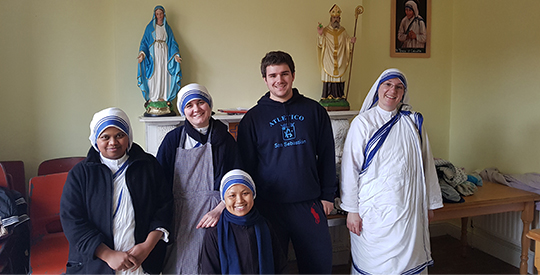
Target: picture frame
<point>402,44</point>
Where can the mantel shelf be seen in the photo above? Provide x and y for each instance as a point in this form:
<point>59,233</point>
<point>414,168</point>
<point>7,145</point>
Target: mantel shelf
<point>158,127</point>
<point>176,120</point>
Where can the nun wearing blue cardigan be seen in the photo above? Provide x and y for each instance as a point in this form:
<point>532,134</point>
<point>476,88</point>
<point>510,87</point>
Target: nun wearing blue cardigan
<point>242,242</point>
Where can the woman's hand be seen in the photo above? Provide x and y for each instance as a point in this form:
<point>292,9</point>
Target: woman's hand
<point>354,223</point>
<point>211,218</point>
<point>116,260</point>
<point>141,251</point>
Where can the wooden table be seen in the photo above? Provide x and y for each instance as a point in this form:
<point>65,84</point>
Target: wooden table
<point>491,198</point>
<point>494,198</point>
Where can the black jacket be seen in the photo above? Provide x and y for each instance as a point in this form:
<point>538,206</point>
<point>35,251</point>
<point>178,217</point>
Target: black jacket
<point>86,209</point>
<point>248,255</point>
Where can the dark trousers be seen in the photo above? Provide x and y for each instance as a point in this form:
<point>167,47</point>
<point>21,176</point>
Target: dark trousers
<point>305,225</point>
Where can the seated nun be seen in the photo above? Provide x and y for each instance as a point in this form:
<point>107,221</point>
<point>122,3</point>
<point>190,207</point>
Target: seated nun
<point>242,242</point>
<point>116,205</point>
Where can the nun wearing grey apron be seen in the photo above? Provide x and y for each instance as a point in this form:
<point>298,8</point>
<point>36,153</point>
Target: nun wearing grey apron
<point>195,156</point>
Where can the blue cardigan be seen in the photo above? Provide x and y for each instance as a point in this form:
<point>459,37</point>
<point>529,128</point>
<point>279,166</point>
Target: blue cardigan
<point>86,209</point>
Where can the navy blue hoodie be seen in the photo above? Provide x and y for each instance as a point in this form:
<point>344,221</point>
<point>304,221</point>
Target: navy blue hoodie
<point>288,149</point>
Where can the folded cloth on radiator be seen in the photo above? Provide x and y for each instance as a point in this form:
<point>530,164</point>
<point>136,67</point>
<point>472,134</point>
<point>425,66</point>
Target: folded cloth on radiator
<point>527,182</point>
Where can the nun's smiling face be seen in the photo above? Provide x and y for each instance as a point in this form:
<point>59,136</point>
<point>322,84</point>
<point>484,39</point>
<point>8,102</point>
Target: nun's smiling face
<point>198,113</point>
<point>390,94</point>
<point>238,200</point>
<point>112,143</point>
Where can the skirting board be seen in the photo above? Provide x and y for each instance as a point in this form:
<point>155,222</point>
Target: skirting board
<point>482,240</point>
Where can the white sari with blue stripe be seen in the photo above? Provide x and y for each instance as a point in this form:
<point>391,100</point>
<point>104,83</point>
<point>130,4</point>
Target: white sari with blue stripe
<point>389,178</point>
<point>123,211</point>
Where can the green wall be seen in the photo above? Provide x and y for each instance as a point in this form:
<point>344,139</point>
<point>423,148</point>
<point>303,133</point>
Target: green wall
<point>63,60</point>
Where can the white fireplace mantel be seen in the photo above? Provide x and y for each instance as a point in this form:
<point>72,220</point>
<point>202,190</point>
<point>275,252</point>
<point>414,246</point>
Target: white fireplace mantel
<point>157,127</point>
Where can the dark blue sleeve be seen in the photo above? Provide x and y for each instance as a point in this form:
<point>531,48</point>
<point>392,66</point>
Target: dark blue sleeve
<point>224,156</point>
<point>163,202</point>
<point>210,263</point>
<point>78,227</point>
<point>166,155</point>
<point>247,158</point>
<point>326,158</point>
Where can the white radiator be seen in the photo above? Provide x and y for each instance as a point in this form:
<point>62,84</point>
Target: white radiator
<point>504,226</point>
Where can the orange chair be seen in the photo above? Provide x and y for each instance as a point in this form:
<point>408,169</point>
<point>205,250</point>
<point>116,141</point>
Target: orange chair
<point>58,165</point>
<point>15,170</point>
<point>4,181</point>
<point>49,247</point>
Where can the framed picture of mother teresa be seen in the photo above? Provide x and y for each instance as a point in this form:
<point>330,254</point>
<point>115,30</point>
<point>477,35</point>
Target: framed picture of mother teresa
<point>411,28</point>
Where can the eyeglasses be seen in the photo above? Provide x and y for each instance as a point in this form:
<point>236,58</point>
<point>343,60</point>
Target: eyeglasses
<point>388,86</point>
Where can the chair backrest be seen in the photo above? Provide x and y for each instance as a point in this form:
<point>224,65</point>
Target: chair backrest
<point>4,178</point>
<point>44,198</point>
<point>58,165</point>
<point>15,168</point>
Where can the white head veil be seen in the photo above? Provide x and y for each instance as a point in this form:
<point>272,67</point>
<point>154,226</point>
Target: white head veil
<point>190,92</point>
<point>372,97</point>
<point>110,117</point>
<point>234,177</point>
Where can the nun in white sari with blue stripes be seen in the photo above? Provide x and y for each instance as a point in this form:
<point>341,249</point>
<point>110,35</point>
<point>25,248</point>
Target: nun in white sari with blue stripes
<point>389,183</point>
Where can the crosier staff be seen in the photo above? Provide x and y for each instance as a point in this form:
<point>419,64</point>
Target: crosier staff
<point>357,11</point>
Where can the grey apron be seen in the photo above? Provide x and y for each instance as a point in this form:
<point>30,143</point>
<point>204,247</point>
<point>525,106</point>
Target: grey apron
<point>194,196</point>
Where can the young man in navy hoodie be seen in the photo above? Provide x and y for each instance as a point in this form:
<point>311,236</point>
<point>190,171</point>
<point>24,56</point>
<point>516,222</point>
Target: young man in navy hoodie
<point>286,144</point>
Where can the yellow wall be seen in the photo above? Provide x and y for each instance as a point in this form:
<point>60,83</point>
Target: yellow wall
<point>56,70</point>
<point>495,118</point>
<point>429,78</point>
<point>63,60</point>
